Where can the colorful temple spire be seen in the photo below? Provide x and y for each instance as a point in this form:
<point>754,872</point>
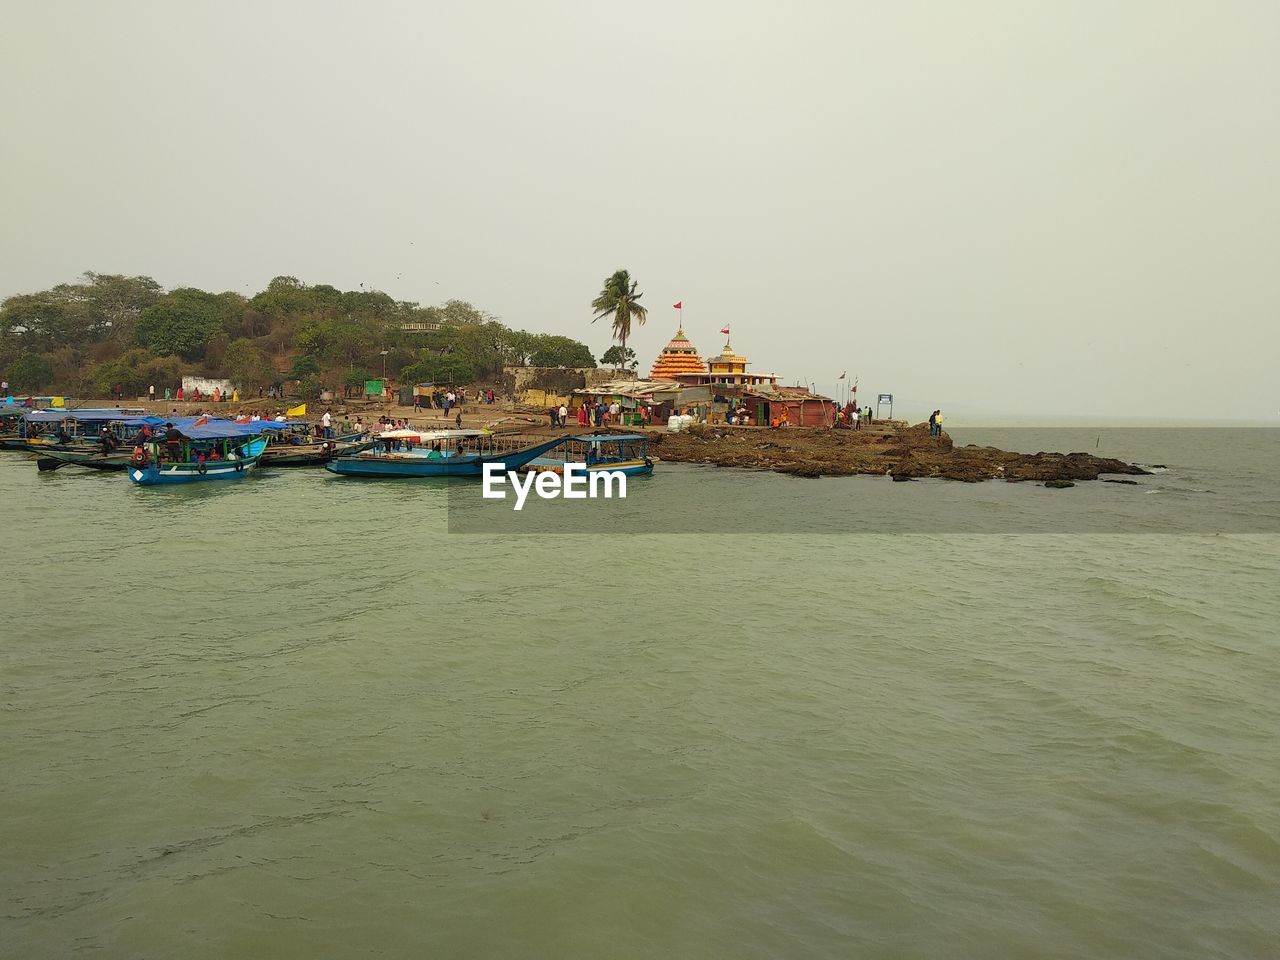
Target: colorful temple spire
<point>678,358</point>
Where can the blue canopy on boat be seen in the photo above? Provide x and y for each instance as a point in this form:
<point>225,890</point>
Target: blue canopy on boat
<point>213,429</point>
<point>105,416</point>
<point>91,416</point>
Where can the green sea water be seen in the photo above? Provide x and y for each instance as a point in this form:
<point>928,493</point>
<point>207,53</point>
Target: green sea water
<point>295,717</point>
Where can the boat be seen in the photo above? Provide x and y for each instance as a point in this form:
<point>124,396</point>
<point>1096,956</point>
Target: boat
<point>210,450</point>
<point>437,453</point>
<point>53,457</point>
<point>294,445</point>
<point>42,431</point>
<point>623,452</point>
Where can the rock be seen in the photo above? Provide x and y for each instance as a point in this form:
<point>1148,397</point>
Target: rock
<point>1132,483</point>
<point>1059,484</point>
<point>901,478</point>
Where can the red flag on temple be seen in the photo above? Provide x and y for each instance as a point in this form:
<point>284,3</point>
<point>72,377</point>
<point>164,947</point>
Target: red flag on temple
<point>679,305</point>
<point>725,331</point>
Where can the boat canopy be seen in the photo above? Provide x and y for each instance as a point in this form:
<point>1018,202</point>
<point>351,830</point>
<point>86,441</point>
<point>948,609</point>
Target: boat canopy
<point>104,416</point>
<point>214,429</point>
<point>431,436</point>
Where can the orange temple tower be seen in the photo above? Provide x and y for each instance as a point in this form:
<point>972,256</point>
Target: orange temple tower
<point>679,361</point>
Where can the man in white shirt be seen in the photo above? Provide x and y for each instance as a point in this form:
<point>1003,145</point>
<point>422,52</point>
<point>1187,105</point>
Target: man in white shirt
<point>564,415</point>
<point>327,422</point>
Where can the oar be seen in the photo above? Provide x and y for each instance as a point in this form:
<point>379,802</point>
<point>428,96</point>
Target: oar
<point>47,464</point>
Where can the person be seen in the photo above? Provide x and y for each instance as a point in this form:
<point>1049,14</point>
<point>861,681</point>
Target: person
<point>933,422</point>
<point>417,403</point>
<point>615,410</point>
<point>173,441</point>
<point>857,420</point>
<point>107,441</point>
<point>939,421</point>
<point>554,414</point>
<point>327,421</point>
<point>564,415</point>
<point>458,420</point>
<point>151,393</point>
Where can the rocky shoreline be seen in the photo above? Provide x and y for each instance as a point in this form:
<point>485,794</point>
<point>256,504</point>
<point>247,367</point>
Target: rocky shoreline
<point>900,451</point>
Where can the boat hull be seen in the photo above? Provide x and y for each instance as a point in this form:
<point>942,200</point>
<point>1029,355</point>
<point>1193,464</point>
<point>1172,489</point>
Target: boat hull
<point>164,474</point>
<point>632,468</point>
<point>420,465</point>
<point>311,454</point>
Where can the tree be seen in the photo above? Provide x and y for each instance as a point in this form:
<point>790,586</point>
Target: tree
<point>550,350</point>
<point>181,323</point>
<point>619,298</point>
<point>623,357</point>
<point>28,373</point>
<point>246,365</point>
<point>303,366</point>
<point>353,382</point>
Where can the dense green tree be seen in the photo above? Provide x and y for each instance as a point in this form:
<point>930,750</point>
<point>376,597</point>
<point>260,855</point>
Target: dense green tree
<point>617,356</point>
<point>304,365</point>
<point>182,322</point>
<point>28,373</point>
<point>441,369</point>
<point>551,350</point>
<point>619,300</point>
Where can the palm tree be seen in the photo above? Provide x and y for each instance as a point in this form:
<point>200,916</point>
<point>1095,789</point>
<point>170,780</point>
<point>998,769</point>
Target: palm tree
<point>619,298</point>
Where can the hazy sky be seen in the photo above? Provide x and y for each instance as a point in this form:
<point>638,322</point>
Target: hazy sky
<point>986,206</point>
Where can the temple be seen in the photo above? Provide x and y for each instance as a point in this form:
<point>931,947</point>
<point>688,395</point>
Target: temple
<point>678,362</point>
<point>681,381</point>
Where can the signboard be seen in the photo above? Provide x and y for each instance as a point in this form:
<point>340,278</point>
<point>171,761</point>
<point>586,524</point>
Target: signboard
<point>885,398</point>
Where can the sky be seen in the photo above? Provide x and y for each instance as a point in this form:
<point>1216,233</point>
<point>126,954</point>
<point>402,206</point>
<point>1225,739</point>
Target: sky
<point>993,207</point>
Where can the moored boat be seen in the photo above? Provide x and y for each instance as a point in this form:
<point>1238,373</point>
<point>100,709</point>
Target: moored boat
<point>439,453</point>
<point>626,453</point>
<point>209,450</point>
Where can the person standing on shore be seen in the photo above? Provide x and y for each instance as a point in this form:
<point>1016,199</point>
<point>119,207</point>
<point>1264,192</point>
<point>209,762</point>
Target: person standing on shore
<point>933,423</point>
<point>151,393</point>
<point>564,415</point>
<point>939,421</point>
<point>327,422</point>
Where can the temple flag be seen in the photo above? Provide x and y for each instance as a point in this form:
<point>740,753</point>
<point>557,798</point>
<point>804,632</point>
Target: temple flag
<point>678,306</point>
<point>299,411</point>
<point>842,376</point>
<point>725,331</point>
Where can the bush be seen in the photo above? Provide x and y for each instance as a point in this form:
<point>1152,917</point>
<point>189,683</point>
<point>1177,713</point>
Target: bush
<point>30,372</point>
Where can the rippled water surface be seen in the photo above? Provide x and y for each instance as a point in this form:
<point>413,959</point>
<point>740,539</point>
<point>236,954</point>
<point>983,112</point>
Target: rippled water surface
<point>294,717</point>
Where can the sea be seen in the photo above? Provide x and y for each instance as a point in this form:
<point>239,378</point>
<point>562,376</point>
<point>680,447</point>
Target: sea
<point>737,714</point>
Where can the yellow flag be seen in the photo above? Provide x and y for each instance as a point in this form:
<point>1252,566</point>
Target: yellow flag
<point>58,401</point>
<point>299,411</point>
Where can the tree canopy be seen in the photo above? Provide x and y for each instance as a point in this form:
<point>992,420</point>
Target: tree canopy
<point>109,328</point>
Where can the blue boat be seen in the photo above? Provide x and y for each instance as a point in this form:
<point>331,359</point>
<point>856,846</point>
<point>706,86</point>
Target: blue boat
<point>440,453</point>
<point>623,452</point>
<point>208,450</point>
